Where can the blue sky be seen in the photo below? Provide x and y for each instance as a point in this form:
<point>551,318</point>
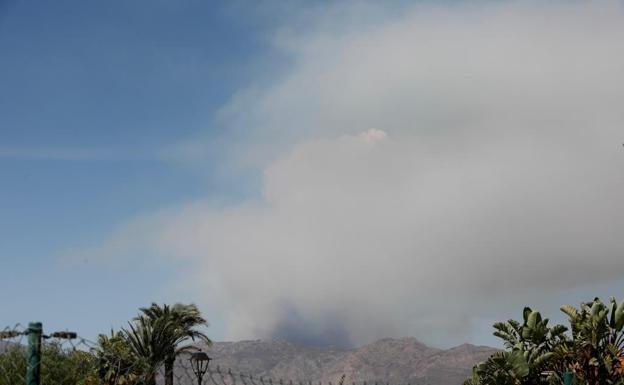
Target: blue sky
<point>325,172</point>
<point>93,94</point>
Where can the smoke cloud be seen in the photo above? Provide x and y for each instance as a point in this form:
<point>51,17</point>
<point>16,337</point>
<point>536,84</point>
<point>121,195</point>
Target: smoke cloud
<point>420,173</point>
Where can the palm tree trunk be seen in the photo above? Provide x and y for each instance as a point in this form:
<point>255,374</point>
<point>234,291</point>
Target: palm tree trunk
<point>169,371</point>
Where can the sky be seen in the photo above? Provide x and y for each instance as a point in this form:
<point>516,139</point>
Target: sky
<point>323,172</point>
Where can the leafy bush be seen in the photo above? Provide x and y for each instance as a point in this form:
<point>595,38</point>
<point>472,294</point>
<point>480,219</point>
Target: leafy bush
<point>592,348</point>
<point>59,366</point>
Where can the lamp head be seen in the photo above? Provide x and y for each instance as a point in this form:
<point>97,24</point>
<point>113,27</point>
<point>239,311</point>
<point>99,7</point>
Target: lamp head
<point>199,362</point>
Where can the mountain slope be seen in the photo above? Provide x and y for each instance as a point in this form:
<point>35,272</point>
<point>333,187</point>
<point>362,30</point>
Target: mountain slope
<point>404,360</point>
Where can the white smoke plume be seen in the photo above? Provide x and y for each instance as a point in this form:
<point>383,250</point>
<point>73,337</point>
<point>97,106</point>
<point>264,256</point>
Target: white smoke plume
<point>420,174</point>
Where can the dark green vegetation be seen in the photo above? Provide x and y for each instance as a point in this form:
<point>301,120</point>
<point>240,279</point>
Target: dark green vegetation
<point>58,366</point>
<point>130,356</point>
<point>159,333</point>
<point>592,348</point>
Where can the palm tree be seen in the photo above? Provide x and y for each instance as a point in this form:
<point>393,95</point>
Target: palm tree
<point>117,364</point>
<point>148,342</point>
<point>160,332</point>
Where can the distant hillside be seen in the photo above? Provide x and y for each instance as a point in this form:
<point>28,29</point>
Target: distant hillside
<point>396,361</point>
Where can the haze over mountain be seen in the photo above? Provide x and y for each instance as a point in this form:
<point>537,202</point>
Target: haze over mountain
<point>394,361</point>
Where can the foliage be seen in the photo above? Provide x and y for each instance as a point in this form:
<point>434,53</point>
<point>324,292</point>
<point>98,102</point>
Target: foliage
<point>12,365</point>
<point>596,351</point>
<point>158,335</point>
<point>593,349</point>
<point>529,354</point>
<point>66,366</point>
<point>131,356</point>
<point>116,362</point>
<point>59,366</point>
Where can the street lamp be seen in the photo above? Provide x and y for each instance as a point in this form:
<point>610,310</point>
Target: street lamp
<point>199,364</point>
<point>568,378</point>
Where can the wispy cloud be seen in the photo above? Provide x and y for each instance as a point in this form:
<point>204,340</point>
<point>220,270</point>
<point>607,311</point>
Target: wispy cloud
<point>75,154</point>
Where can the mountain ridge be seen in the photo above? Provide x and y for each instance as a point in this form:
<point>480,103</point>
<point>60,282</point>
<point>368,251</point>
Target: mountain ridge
<point>388,360</point>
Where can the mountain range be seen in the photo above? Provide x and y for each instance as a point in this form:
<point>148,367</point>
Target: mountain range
<point>393,361</point>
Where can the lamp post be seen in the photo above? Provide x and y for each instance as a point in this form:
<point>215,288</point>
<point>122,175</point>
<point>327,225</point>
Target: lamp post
<point>568,378</point>
<point>199,364</point>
